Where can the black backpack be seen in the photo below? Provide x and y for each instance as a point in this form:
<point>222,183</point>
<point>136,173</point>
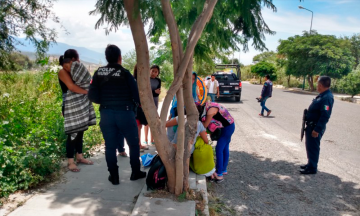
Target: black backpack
<point>156,177</point>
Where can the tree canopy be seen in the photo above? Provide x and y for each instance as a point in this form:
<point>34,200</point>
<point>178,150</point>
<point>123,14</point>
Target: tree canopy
<point>233,23</point>
<point>316,54</point>
<point>355,48</point>
<point>264,68</point>
<point>27,18</point>
<point>269,57</point>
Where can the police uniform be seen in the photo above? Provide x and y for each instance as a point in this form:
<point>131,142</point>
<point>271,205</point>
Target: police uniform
<point>115,89</point>
<point>316,118</point>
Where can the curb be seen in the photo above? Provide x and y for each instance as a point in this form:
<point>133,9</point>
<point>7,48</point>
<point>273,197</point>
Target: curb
<point>202,187</point>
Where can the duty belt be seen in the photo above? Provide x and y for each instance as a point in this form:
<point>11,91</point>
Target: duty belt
<point>310,124</point>
<point>118,108</point>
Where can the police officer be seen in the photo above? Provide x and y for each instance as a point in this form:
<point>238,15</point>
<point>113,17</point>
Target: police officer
<point>316,118</point>
<point>115,89</point>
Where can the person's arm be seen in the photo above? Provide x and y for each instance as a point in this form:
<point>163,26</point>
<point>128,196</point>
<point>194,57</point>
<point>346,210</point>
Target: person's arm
<point>264,89</point>
<point>209,115</point>
<point>218,91</point>
<point>325,112</point>
<point>171,122</point>
<point>133,87</point>
<point>158,89</point>
<point>203,136</point>
<point>94,90</point>
<point>66,79</point>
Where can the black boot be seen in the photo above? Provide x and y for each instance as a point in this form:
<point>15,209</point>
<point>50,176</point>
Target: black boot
<point>137,175</point>
<point>114,177</point>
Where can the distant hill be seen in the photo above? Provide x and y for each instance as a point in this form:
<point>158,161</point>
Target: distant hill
<point>58,49</point>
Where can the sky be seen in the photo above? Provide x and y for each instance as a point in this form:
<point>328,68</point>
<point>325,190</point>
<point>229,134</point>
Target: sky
<point>335,17</point>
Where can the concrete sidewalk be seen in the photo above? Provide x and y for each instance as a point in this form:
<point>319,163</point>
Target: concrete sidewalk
<point>87,193</point>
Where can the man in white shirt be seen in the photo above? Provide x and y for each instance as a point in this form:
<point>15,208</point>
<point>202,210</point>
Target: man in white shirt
<point>213,88</point>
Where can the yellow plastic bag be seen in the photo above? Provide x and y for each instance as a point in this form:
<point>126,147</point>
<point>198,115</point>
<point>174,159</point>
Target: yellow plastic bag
<point>202,160</point>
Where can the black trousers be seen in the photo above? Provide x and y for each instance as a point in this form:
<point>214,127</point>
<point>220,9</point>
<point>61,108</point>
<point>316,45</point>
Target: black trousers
<point>121,140</point>
<point>312,147</point>
<point>113,123</point>
<point>74,145</point>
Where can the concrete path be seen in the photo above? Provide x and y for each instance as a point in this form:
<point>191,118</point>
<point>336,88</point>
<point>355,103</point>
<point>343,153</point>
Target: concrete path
<point>87,193</point>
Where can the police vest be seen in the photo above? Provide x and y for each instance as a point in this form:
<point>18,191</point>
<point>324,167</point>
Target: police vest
<point>114,89</point>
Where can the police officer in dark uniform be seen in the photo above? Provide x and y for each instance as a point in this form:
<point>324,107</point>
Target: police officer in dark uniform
<point>115,89</point>
<point>316,118</point>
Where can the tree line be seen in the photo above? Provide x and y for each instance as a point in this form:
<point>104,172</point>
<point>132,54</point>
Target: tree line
<point>311,55</point>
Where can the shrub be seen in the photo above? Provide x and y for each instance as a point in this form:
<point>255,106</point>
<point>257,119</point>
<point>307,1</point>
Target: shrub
<point>350,84</point>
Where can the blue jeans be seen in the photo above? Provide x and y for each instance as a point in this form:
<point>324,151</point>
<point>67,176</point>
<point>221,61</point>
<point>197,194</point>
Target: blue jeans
<point>113,123</point>
<point>222,149</point>
<point>262,104</point>
<point>212,96</point>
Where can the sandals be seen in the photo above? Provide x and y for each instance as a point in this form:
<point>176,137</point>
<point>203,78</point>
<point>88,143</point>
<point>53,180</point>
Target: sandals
<point>76,169</point>
<point>83,161</point>
<point>215,178</point>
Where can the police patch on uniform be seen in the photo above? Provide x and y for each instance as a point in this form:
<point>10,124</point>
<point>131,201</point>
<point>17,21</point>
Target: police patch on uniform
<point>327,108</point>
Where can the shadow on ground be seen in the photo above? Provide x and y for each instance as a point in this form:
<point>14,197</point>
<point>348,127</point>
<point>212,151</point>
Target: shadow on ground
<point>260,186</point>
<point>228,100</point>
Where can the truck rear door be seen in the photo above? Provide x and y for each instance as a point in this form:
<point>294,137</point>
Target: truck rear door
<point>228,83</point>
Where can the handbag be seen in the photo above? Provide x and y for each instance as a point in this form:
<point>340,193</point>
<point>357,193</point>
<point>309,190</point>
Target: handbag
<point>216,134</point>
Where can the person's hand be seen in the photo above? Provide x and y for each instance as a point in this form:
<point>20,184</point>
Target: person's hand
<point>260,97</point>
<point>157,91</point>
<point>314,134</point>
<point>218,95</point>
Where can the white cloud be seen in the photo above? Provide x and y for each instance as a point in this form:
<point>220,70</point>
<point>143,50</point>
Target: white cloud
<point>80,25</point>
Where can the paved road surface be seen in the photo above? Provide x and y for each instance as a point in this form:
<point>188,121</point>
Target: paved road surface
<point>266,152</point>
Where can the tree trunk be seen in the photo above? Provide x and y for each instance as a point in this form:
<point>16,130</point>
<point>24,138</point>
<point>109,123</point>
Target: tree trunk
<point>163,146</point>
<point>191,124</point>
<point>180,143</point>
<point>311,82</point>
<point>288,81</point>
